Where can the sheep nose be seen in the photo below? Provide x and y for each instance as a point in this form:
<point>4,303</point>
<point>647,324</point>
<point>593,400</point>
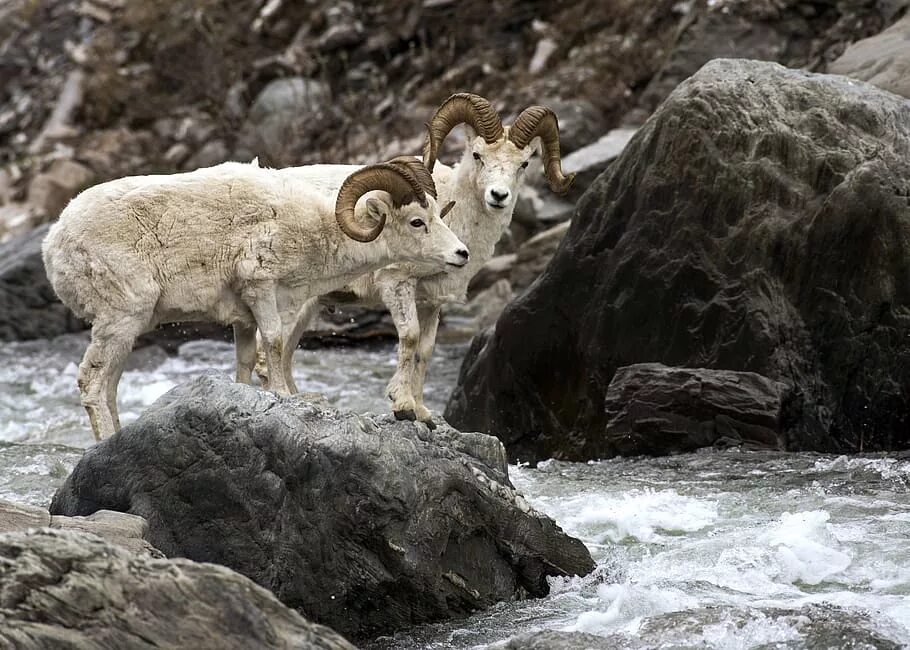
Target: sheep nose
<point>499,195</point>
<point>462,252</point>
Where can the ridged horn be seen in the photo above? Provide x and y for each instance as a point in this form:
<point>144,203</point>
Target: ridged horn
<point>460,108</point>
<point>417,173</point>
<point>394,177</point>
<point>540,121</point>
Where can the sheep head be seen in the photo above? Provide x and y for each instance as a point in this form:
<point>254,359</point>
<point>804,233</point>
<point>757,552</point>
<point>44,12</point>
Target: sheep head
<point>497,157</point>
<point>410,212</point>
<point>404,181</point>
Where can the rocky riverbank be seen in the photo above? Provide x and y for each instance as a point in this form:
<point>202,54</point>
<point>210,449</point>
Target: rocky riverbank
<point>364,524</point>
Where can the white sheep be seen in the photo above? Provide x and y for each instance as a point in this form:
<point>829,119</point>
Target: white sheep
<point>484,186</point>
<point>234,243</point>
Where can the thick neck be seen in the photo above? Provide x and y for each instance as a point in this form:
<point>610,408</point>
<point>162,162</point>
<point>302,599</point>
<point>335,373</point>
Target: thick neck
<point>349,257</point>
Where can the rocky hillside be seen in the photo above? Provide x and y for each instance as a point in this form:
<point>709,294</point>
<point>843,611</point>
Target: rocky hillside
<point>102,88</point>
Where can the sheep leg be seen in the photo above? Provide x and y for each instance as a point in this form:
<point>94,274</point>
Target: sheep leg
<point>101,367</point>
<point>261,300</point>
<point>292,334</point>
<point>112,384</point>
<point>245,348</point>
<point>399,298</point>
<point>428,317</point>
<point>261,367</point>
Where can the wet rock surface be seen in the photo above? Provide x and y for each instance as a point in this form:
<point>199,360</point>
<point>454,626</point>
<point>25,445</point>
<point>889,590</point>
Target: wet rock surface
<point>61,589</point>
<point>757,222</point>
<point>362,523</point>
<point>653,409</point>
<point>554,640</point>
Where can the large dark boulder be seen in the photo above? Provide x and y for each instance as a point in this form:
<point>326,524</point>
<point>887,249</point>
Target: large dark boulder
<point>29,308</point>
<point>363,523</point>
<point>60,589</point>
<point>760,222</point>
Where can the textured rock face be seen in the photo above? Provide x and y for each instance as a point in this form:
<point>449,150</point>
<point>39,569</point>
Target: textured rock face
<point>29,308</point>
<point>72,590</point>
<point>364,524</point>
<point>758,222</point>
<point>653,409</point>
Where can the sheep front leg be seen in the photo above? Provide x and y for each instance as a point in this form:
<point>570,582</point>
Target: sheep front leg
<point>261,300</point>
<point>399,299</point>
<point>428,317</point>
<point>245,349</point>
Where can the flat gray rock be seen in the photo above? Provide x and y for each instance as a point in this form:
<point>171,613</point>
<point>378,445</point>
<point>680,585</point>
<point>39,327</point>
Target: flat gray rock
<point>362,523</point>
<point>62,589</point>
<point>883,59</point>
<point>16,517</point>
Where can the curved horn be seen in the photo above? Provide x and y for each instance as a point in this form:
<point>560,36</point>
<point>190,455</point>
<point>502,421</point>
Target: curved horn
<point>417,173</point>
<point>540,121</point>
<point>390,177</point>
<point>461,108</point>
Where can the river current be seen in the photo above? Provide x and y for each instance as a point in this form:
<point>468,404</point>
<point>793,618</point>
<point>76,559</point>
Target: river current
<point>721,549</point>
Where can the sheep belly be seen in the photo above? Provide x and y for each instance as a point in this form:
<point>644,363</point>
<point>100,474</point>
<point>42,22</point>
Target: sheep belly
<point>205,299</point>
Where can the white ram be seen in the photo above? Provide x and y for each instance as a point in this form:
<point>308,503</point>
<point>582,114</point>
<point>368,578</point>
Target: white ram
<point>234,243</point>
<point>484,186</point>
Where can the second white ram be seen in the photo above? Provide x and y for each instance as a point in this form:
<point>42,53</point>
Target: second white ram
<point>484,186</point>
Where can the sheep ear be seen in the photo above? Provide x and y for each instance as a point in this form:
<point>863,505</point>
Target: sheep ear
<point>377,210</point>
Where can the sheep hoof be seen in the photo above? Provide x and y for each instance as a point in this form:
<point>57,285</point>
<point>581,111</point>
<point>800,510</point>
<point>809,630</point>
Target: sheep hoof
<point>430,424</point>
<point>407,414</point>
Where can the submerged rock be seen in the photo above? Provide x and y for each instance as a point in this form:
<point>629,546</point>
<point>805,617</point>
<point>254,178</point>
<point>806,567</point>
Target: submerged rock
<point>72,590</point>
<point>556,640</point>
<point>363,523</point>
<point>757,222</point>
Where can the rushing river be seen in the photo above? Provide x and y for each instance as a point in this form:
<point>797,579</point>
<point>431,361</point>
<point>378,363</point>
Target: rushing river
<point>710,550</point>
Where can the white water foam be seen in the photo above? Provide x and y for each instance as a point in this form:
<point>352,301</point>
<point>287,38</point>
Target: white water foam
<point>643,515</point>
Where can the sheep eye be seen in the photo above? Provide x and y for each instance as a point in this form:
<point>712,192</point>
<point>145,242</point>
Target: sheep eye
<point>417,223</point>
<point>524,164</point>
<point>476,156</point>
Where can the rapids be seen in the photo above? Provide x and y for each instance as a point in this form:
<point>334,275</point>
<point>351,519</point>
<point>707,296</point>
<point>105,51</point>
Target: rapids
<point>721,549</point>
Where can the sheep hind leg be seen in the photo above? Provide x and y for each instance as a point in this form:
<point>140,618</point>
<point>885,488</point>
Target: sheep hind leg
<point>111,391</point>
<point>399,299</point>
<point>101,368</point>
<point>245,349</point>
<point>428,316</point>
